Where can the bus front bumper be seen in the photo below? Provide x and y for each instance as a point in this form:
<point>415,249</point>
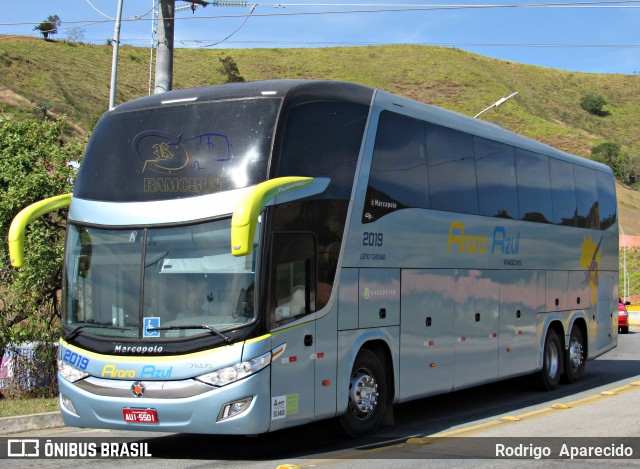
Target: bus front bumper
<point>168,406</point>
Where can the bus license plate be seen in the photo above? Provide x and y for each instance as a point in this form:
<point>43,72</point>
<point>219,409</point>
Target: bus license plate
<point>140,415</point>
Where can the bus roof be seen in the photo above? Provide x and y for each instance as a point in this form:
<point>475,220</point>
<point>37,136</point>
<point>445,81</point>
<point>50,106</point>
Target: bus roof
<point>266,88</point>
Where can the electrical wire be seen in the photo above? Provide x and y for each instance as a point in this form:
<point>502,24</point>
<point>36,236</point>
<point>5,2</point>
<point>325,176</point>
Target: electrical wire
<point>234,32</point>
<point>380,8</point>
<point>131,17</point>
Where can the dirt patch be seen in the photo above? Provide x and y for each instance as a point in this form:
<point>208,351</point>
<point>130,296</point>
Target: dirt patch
<point>631,242</point>
<point>10,98</point>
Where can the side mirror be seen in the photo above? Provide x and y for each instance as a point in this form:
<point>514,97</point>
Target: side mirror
<point>271,192</point>
<point>24,217</point>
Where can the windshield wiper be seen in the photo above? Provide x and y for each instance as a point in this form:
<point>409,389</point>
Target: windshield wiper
<point>226,338</point>
<point>78,329</point>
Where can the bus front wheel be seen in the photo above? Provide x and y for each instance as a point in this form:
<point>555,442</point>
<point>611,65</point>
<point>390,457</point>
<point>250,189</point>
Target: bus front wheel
<point>548,378</point>
<point>367,395</point>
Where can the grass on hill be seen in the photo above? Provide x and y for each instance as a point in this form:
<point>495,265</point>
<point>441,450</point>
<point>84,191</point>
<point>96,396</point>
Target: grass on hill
<point>74,79</point>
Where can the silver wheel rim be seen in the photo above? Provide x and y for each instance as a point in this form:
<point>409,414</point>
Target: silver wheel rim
<point>576,355</point>
<point>363,393</point>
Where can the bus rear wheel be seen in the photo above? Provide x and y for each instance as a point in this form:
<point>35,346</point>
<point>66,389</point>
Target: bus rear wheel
<point>367,395</point>
<point>548,378</point>
<point>575,357</point>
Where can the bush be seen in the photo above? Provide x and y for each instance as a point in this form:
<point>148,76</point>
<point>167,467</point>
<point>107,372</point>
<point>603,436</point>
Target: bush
<point>229,68</point>
<point>606,153</point>
<point>34,164</point>
<point>593,104</point>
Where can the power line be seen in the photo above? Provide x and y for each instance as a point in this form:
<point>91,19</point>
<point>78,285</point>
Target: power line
<point>372,8</point>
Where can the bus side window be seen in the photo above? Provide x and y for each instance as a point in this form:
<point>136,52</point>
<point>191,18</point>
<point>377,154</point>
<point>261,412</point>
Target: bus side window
<point>292,277</point>
<point>606,199</point>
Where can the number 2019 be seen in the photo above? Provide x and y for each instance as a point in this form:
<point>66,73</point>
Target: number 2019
<point>372,239</point>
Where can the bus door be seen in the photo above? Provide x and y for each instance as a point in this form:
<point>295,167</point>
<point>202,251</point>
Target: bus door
<point>291,297</point>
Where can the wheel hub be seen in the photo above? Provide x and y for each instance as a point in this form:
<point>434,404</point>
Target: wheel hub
<point>576,354</point>
<point>363,393</point>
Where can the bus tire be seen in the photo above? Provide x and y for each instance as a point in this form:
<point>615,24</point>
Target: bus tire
<point>367,395</point>
<point>575,356</point>
<point>548,378</point>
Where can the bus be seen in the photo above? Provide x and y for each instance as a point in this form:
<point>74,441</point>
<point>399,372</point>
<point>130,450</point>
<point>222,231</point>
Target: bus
<point>249,257</point>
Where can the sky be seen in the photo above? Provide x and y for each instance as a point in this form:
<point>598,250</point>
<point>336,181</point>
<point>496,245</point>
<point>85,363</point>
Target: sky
<point>581,36</point>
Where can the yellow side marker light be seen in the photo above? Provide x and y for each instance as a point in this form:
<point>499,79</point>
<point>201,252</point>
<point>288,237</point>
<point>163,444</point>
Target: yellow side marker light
<point>608,393</point>
<point>561,406</point>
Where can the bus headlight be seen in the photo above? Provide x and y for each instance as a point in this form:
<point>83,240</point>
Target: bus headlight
<point>236,372</point>
<point>69,372</point>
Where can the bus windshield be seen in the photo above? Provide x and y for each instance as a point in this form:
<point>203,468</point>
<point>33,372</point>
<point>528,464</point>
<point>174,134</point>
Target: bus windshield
<point>156,282</point>
<point>178,151</point>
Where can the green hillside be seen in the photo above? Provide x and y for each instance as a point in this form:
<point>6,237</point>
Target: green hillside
<point>74,79</point>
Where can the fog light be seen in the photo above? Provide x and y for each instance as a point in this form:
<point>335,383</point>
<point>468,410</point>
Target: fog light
<point>231,409</point>
<point>67,404</point>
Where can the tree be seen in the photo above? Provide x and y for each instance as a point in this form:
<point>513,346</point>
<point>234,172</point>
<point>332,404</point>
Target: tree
<point>593,103</point>
<point>34,159</point>
<point>606,153</point>
<point>49,26</point>
<point>627,168</point>
<point>229,68</point>
<point>75,34</point>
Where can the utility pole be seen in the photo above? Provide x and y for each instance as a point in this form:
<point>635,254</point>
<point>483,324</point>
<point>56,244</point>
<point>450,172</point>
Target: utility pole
<point>164,52</point>
<point>154,31</point>
<point>114,60</point>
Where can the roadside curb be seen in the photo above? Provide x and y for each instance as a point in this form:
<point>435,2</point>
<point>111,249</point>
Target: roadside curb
<point>25,423</point>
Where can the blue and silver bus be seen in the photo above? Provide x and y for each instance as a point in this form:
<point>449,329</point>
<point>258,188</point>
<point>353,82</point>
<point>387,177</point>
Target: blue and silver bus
<point>254,256</point>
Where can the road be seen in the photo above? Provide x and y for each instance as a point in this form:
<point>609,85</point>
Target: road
<point>604,404</point>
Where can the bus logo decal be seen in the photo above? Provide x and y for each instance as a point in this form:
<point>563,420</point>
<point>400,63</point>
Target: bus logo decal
<point>162,152</point>
<point>111,371</point>
<point>507,245</point>
<point>590,261</point>
<point>503,242</point>
<point>466,242</point>
<point>150,371</point>
<point>138,388</point>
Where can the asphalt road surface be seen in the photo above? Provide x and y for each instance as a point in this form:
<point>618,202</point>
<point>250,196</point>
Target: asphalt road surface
<point>487,426</point>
